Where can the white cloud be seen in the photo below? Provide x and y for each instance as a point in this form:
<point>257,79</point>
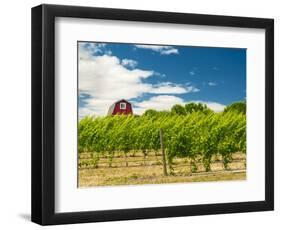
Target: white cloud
<point>87,49</point>
<point>162,102</point>
<point>170,88</point>
<point>129,63</point>
<point>212,83</point>
<point>166,102</point>
<point>164,50</point>
<point>215,106</point>
<point>105,80</point>
<point>108,52</point>
<point>192,89</point>
<point>95,107</point>
<point>162,75</point>
<point>192,73</point>
<point>85,111</point>
<point>169,51</point>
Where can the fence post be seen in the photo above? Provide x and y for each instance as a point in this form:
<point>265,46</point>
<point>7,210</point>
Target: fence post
<point>163,153</point>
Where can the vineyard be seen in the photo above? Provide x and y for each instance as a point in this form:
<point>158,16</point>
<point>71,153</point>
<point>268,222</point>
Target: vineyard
<point>183,144</point>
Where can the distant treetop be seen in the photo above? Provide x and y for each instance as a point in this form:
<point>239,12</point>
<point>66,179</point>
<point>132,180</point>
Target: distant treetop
<point>188,108</point>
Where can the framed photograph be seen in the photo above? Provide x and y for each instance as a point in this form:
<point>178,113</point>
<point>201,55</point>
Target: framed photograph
<point>142,114</point>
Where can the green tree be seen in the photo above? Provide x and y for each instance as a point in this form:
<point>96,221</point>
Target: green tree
<point>178,110</point>
<point>195,107</point>
<point>150,112</point>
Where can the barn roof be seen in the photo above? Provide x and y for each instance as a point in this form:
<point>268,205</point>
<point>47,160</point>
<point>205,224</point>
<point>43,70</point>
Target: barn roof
<point>122,100</point>
<point>111,108</point>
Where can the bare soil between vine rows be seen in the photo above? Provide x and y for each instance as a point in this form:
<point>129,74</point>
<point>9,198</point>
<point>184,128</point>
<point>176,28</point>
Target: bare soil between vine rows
<point>149,170</point>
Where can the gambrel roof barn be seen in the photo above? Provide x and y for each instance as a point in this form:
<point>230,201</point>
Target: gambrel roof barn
<point>120,107</point>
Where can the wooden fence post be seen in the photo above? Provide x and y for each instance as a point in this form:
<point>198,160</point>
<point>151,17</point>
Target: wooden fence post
<point>163,153</point>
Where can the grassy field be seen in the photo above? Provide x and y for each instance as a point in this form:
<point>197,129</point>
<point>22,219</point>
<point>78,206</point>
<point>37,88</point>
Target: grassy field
<point>135,169</point>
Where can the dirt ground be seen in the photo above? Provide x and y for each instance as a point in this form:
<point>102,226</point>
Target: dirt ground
<point>135,169</point>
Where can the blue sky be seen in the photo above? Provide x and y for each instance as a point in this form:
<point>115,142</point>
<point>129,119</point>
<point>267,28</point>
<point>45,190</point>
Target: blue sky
<point>158,77</point>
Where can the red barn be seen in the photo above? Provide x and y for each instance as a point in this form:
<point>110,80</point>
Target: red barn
<point>120,107</point>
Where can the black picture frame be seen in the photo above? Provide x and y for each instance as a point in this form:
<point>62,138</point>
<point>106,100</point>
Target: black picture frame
<point>43,114</point>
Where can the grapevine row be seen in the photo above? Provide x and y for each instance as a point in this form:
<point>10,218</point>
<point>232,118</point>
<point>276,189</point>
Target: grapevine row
<point>198,136</point>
